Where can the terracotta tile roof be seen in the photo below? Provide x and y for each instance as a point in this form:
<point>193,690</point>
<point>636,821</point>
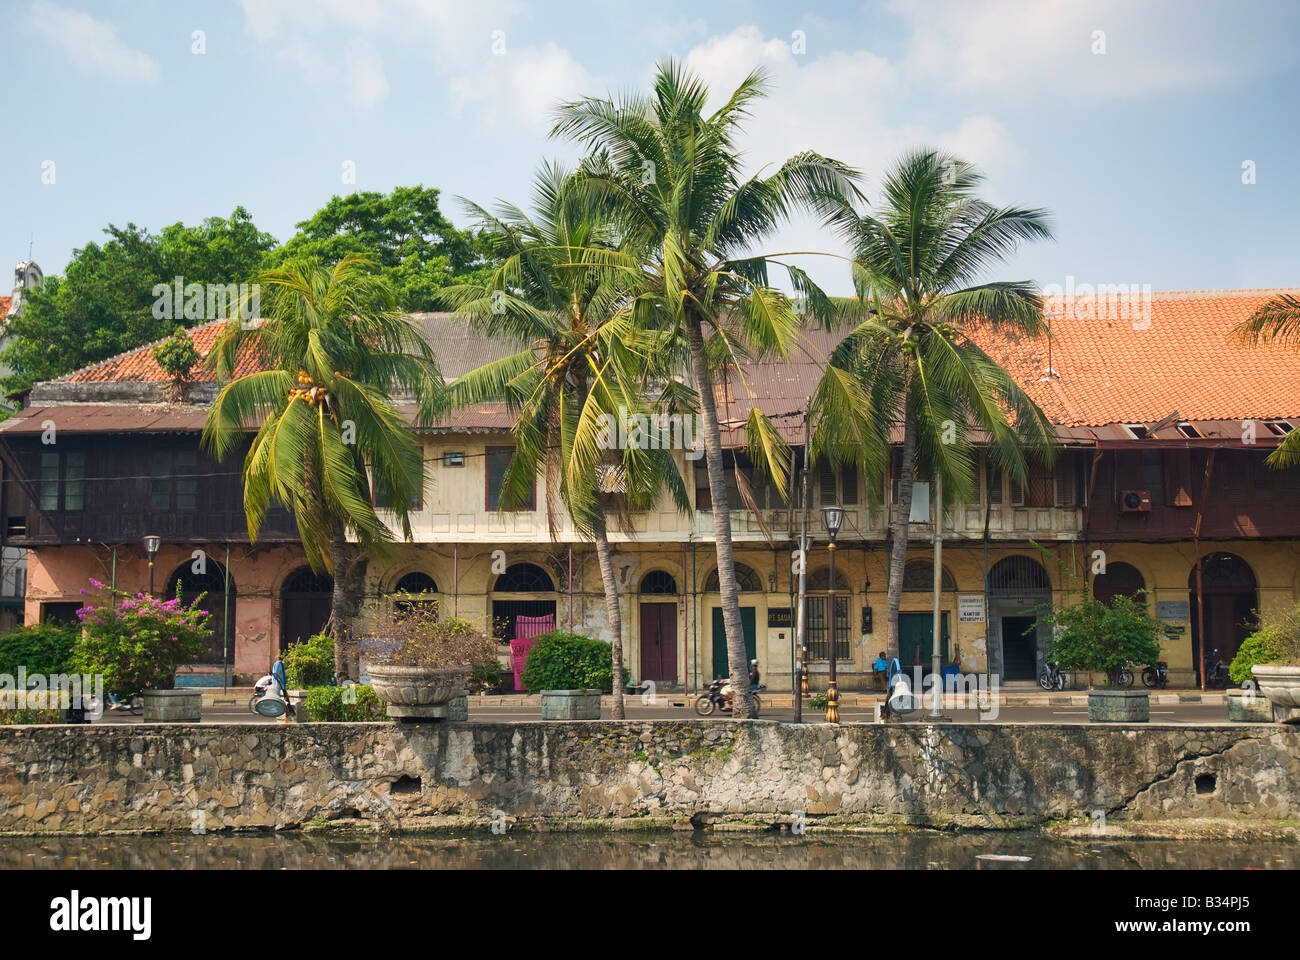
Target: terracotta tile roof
<point>1109,368</point>
<point>4,305</point>
<point>1139,366</point>
<point>139,365</point>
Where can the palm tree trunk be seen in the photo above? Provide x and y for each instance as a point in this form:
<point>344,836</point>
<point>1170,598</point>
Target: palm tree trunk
<point>606,561</point>
<point>898,530</point>
<point>742,701</point>
<point>339,622</point>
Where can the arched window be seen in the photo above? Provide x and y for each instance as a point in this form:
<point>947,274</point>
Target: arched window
<point>918,577</point>
<point>211,582</point>
<point>821,580</point>
<point>657,581</point>
<point>304,605</point>
<point>1120,579</point>
<point>415,590</point>
<point>416,583</point>
<point>1018,575</point>
<point>523,578</point>
<point>746,579</point>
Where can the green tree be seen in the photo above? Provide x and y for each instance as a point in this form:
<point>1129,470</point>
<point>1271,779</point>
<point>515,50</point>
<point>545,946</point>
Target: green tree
<point>911,359</point>
<point>581,365</point>
<point>336,353</point>
<point>671,177</point>
<point>103,305</point>
<point>404,232</point>
<point>1278,320</point>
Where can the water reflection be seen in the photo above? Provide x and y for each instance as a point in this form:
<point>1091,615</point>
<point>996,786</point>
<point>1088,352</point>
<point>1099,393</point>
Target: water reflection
<point>666,850</point>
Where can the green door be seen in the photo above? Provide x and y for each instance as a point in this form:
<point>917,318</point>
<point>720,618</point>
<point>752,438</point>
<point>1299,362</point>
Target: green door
<point>915,639</point>
<point>720,668</point>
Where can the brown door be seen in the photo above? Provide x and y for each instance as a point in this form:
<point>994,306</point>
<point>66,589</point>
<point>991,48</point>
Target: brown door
<point>659,642</point>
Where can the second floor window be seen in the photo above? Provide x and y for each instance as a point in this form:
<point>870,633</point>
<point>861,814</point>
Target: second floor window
<point>63,481</point>
<point>174,482</point>
<point>382,502</point>
<point>497,459</point>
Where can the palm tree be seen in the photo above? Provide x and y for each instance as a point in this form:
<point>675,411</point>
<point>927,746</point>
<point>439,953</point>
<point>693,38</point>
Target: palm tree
<point>670,176</point>
<point>912,356</point>
<point>1277,320</point>
<point>333,352</point>
<point>581,365</point>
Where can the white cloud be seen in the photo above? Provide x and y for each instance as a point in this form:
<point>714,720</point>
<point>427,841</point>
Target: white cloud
<point>1048,48</point>
<point>364,75</point>
<point>92,45</point>
<point>520,87</point>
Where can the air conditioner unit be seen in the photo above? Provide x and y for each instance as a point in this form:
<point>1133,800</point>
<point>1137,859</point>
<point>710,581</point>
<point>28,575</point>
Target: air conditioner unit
<point>1135,501</point>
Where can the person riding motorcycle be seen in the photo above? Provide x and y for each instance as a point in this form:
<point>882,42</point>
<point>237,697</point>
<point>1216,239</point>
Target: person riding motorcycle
<point>725,692</point>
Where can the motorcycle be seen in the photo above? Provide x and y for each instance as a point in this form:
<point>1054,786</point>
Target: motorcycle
<point>1217,674</point>
<point>1157,676</point>
<point>1123,677</point>
<point>712,699</point>
<point>1052,678</point>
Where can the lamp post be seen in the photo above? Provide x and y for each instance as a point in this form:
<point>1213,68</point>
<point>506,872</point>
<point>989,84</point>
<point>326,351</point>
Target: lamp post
<point>151,545</point>
<point>832,517</point>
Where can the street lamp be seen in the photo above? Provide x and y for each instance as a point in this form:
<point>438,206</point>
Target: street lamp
<point>833,518</point>
<point>151,545</point>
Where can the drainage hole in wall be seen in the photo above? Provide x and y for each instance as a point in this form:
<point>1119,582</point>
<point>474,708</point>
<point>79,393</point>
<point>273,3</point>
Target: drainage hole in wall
<point>1206,783</point>
<point>405,784</point>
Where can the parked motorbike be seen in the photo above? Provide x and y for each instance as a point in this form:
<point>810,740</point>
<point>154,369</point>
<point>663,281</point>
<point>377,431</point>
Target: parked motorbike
<point>712,699</point>
<point>1157,676</point>
<point>1217,674</point>
<point>1123,677</point>
<point>1052,678</point>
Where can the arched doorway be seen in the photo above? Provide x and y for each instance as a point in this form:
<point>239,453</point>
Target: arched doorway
<point>523,607</point>
<point>1019,593</point>
<point>1231,599</point>
<point>1119,580</point>
<point>658,634</point>
<point>748,581</point>
<point>916,630</point>
<point>304,605</point>
<point>212,581</point>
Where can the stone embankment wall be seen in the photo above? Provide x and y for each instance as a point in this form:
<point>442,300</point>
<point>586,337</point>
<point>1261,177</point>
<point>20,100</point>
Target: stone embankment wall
<point>180,777</point>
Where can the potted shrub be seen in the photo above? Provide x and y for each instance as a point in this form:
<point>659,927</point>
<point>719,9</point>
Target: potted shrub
<point>420,664</point>
<point>1089,635</point>
<point>1270,660</point>
<point>308,664</point>
<point>136,643</point>
<point>571,671</point>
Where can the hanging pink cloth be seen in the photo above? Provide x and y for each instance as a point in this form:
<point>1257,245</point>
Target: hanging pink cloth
<point>527,629</point>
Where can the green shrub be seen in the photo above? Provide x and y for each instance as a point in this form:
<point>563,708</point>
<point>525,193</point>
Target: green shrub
<point>818,701</point>
<point>310,663</point>
<point>485,675</point>
<point>329,705</point>
<point>138,641</point>
<point>1276,641</point>
<point>569,661</point>
<point>28,715</point>
<point>41,648</point>
<point>1092,636</point>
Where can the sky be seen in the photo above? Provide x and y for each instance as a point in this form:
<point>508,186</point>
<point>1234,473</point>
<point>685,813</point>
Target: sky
<point>1161,136</point>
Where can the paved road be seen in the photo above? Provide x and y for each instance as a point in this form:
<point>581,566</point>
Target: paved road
<point>489,711</point>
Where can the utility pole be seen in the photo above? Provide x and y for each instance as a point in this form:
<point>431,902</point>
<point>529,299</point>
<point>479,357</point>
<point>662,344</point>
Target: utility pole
<point>936,661</point>
<point>799,682</point>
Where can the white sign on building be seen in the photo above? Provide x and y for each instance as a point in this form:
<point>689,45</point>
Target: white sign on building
<point>970,607</point>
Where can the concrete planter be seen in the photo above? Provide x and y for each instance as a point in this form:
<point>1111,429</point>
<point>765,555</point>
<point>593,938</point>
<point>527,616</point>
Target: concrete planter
<point>418,693</point>
<point>183,705</point>
<point>1247,706</point>
<point>458,709</point>
<point>1119,706</point>
<point>1281,684</point>
<point>570,704</point>
<point>297,707</point>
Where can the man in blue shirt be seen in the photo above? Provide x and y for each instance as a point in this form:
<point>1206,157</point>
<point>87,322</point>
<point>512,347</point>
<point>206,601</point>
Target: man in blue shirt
<point>879,669</point>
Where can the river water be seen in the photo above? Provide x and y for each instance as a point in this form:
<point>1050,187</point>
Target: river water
<point>649,850</point>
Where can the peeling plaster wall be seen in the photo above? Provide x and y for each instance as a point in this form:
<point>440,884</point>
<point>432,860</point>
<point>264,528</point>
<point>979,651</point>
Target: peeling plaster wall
<point>60,779</point>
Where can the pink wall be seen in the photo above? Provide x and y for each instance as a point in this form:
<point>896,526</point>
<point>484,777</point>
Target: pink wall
<point>57,574</point>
